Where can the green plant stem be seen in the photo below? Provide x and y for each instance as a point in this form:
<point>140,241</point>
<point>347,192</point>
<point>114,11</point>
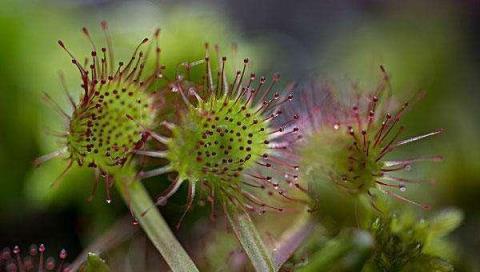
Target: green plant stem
<point>249,238</point>
<point>153,223</point>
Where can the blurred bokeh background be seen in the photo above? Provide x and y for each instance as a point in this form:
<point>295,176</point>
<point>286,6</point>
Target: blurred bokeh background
<point>428,45</point>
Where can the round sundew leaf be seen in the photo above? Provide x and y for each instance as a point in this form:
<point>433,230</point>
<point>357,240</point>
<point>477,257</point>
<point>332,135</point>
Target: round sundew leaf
<point>104,131</point>
<point>445,222</point>
<point>350,143</point>
<point>216,141</point>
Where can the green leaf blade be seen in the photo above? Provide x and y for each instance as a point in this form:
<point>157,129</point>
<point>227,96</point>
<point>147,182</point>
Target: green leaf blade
<point>250,239</point>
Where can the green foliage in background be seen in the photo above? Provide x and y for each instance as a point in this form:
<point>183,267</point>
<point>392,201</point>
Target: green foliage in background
<point>404,243</point>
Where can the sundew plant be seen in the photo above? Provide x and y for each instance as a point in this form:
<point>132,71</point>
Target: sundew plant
<point>214,150</point>
<point>354,143</point>
<point>100,133</point>
<point>225,131</point>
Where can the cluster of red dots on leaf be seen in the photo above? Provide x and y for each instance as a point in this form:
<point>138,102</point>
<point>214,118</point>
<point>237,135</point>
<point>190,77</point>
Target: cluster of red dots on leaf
<point>226,143</point>
<point>111,132</point>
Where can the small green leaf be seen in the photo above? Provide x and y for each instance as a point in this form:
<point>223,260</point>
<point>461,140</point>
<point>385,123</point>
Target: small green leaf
<point>445,222</point>
<point>95,264</point>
